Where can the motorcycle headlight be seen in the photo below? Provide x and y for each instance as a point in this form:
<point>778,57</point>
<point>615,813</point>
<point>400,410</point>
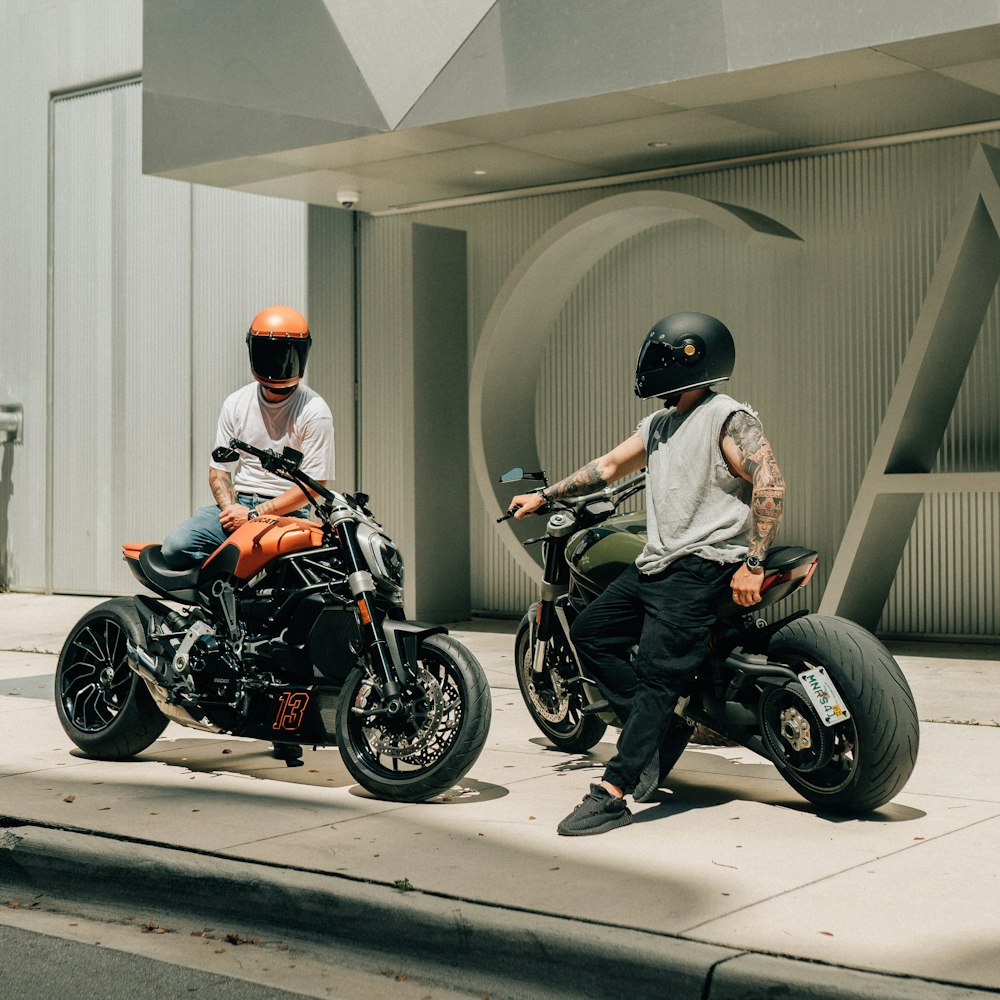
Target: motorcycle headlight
<point>384,560</point>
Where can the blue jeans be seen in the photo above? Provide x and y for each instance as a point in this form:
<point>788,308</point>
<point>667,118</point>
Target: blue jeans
<point>194,540</point>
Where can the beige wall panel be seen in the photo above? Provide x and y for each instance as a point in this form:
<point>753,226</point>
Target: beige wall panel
<point>821,334</point>
<point>43,48</point>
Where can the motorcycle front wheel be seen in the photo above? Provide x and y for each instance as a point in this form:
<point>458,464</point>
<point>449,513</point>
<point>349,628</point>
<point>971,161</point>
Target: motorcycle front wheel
<point>858,764</point>
<point>103,705</point>
<point>555,709</point>
<point>429,747</point>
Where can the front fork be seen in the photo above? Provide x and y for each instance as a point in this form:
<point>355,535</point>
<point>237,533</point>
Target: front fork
<point>554,579</point>
<point>362,585</point>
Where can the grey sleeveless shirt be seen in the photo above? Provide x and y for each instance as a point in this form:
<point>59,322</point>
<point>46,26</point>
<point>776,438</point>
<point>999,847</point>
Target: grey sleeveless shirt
<point>694,504</point>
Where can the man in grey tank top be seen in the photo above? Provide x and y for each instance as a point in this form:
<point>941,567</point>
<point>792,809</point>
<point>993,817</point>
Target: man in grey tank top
<point>715,497</point>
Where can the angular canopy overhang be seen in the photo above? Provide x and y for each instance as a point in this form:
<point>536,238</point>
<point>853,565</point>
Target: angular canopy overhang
<point>430,101</point>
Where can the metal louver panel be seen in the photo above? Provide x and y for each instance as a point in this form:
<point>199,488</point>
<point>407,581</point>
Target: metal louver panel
<point>120,304</point>
<point>821,334</point>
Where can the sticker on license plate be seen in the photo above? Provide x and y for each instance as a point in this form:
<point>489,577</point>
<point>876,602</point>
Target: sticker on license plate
<point>825,697</point>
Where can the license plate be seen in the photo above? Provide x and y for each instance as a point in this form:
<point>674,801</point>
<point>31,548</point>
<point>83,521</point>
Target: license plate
<point>825,697</point>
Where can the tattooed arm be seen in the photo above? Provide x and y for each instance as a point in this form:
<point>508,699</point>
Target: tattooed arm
<point>232,513</point>
<point>748,454</point>
<point>629,456</point>
<point>221,485</point>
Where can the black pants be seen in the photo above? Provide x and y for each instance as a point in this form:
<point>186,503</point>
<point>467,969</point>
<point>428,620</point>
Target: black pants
<point>671,615</point>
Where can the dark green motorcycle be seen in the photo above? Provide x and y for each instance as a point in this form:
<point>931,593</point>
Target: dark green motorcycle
<point>816,694</point>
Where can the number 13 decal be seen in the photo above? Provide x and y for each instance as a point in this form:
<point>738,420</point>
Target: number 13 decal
<point>291,708</point>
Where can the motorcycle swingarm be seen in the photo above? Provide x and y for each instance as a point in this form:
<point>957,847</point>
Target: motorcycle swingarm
<point>404,640</point>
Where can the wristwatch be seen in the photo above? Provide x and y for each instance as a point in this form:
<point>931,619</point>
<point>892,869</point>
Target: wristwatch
<point>753,563</point>
<point>252,513</point>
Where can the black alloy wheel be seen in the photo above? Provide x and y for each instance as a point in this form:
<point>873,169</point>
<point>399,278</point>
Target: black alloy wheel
<point>555,707</point>
<point>103,706</point>
<point>428,747</point>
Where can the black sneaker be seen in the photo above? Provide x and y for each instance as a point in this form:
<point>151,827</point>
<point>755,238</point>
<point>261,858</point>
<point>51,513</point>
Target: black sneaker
<point>649,780</point>
<point>599,812</point>
<point>290,753</point>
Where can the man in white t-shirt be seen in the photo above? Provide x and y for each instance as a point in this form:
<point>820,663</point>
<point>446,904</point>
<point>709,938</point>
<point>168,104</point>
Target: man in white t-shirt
<point>274,411</point>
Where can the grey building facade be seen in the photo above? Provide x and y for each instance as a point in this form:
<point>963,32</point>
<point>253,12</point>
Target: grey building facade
<point>536,184</point>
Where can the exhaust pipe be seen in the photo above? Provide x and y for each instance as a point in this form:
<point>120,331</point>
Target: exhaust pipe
<point>149,668</point>
<point>153,671</point>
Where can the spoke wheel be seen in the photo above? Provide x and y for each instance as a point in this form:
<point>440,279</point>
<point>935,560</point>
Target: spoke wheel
<point>103,706</point>
<point>426,748</point>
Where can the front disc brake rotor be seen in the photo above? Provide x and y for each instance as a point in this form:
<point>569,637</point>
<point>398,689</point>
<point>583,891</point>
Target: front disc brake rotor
<point>792,730</point>
<point>421,720</point>
<point>550,702</point>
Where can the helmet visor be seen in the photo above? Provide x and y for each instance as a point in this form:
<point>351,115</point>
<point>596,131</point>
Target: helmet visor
<point>654,357</point>
<point>278,359</point>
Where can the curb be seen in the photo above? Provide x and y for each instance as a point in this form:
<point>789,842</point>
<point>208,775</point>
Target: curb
<point>531,950</point>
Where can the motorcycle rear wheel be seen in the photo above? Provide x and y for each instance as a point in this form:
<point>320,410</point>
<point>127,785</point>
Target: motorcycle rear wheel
<point>448,717</point>
<point>861,763</point>
<point>103,705</point>
<point>559,718</point>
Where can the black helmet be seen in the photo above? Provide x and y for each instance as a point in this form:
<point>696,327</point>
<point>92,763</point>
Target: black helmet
<point>684,351</point>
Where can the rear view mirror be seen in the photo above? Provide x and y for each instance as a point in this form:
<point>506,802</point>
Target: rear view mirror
<point>515,475</point>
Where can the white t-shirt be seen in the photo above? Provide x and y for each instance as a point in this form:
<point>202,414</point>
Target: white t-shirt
<point>301,421</point>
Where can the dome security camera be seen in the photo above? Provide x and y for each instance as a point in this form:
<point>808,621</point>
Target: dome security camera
<point>346,199</point>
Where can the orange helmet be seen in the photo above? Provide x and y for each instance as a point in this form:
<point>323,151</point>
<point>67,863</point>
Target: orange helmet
<point>279,342</point>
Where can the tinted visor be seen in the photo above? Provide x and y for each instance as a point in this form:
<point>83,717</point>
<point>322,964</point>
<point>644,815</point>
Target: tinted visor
<point>277,359</point>
<point>654,357</point>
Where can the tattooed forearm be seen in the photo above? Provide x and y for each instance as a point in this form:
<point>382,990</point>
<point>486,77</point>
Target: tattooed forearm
<point>583,481</point>
<point>766,508</point>
<point>221,486</point>
<point>758,464</point>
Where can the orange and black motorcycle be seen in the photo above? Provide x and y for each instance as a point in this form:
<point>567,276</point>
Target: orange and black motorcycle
<point>292,631</point>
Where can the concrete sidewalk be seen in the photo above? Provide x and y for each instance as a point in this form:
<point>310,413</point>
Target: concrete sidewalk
<point>729,886</point>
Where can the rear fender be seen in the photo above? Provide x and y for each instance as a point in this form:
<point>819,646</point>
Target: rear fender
<point>404,640</point>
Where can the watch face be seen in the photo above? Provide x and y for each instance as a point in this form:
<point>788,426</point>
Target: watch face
<point>753,562</point>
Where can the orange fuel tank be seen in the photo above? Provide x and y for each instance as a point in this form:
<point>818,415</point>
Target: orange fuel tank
<point>265,538</point>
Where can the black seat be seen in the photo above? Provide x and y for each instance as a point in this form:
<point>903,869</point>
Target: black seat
<point>162,576</point>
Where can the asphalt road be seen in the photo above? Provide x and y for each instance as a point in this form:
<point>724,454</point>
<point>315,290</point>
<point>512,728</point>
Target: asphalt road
<point>51,952</point>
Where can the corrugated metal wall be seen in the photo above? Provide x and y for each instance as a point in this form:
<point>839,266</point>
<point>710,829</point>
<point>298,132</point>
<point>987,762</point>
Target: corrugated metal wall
<point>121,398</point>
<point>43,48</point>
<point>154,282</point>
<point>821,334</point>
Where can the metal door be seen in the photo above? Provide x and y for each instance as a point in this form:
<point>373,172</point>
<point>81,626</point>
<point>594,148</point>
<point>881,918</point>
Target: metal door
<point>120,353</point>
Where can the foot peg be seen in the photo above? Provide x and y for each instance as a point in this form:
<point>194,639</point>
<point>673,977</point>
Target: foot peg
<point>596,708</point>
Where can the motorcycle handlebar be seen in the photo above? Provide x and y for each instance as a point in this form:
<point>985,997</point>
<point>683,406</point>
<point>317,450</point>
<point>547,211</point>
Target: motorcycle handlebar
<point>286,466</point>
<point>616,495</point>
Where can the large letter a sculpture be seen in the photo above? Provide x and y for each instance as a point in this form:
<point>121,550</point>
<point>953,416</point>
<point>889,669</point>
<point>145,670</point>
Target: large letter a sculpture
<point>898,473</point>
